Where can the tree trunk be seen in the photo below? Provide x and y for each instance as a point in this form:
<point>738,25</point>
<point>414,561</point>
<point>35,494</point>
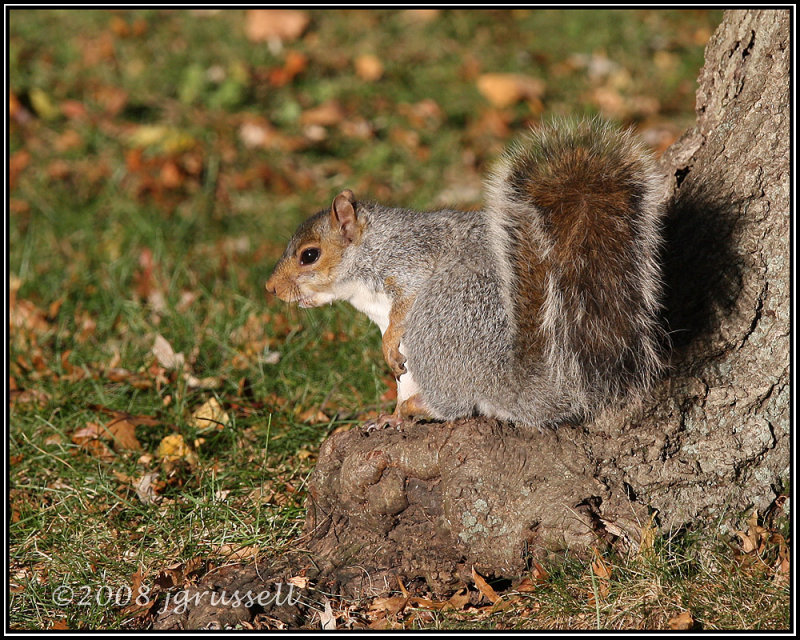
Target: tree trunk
<point>434,500</point>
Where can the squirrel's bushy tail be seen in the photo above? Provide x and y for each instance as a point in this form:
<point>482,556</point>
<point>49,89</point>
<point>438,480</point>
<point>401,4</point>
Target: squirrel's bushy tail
<point>575,209</point>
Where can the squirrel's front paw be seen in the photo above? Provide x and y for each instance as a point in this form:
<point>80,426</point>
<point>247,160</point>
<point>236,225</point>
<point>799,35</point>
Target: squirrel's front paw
<point>396,360</point>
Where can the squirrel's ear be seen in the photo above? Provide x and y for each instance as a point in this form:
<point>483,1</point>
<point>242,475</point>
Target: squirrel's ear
<point>343,215</point>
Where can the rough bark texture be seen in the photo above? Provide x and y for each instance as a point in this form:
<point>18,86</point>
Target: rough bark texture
<point>429,502</point>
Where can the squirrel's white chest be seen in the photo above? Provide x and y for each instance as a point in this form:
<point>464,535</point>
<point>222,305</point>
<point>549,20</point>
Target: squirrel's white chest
<point>377,306</point>
<point>373,303</point>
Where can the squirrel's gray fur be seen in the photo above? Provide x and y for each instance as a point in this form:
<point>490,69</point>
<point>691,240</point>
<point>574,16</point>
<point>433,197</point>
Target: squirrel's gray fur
<point>542,306</point>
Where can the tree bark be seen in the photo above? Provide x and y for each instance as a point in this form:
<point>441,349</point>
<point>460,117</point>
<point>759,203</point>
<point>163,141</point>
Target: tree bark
<point>432,501</point>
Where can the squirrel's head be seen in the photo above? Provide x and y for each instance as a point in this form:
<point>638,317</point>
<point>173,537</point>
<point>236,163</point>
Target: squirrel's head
<point>307,272</point>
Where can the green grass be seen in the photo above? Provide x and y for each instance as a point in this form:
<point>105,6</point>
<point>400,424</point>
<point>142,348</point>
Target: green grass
<point>137,209</point>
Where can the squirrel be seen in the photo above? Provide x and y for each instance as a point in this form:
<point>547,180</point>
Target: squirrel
<point>539,309</point>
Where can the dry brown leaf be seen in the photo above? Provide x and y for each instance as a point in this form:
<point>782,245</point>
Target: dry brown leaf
<point>257,134</point>
<point>301,582</point>
<point>138,607</point>
<point>325,115</point>
<point>165,355</point>
<point>233,552</point>
<point>99,450</point>
<point>210,414</point>
<point>173,448</point>
<point>175,574</point>
<point>756,536</point>
<point>382,624</point>
<point>682,622</point>
<point>458,600</point>
<point>504,604</point>
<point>539,574</point>
<point>422,15</point>
<point>648,536</point>
<point>283,25</point>
<point>783,565</point>
<point>369,67</point>
<point>123,433</point>
<point>54,439</point>
<point>484,588</point>
<point>390,605</point>
<point>314,416</point>
<point>28,396</point>
<point>505,89</point>
<point>295,64</point>
<point>602,571</point>
<point>145,488</point>
<point>92,431</point>
<point>401,586</point>
<point>326,617</point>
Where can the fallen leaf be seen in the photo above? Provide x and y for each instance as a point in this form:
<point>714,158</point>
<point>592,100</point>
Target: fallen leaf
<point>294,65</point>
<point>165,355</point>
<point>263,25</point>
<point>98,449</point>
<point>458,600</point>
<point>483,586</point>
<point>754,538</point>
<point>326,617</point>
<point>28,396</point>
<point>210,382</point>
<point>145,488</point>
<point>505,89</point>
<point>262,494</point>
<point>233,552</point>
<point>602,574</point>
<point>782,567</point>
<point>136,380</point>
<point>539,574</point>
<point>210,414</point>
<point>43,105</point>
<point>17,162</point>
<point>111,98</point>
<point>504,604</point>
<point>92,431</point>
<point>422,15</point>
<point>369,67</point>
<point>162,137</point>
<point>301,582</point>
<point>16,111</point>
<point>391,605</point>
<point>648,536</point>
<point>682,622</point>
<point>73,110</point>
<point>173,448</point>
<point>123,433</point>
<point>326,114</point>
<point>175,574</point>
<point>138,606</point>
<point>314,416</point>
<point>54,439</point>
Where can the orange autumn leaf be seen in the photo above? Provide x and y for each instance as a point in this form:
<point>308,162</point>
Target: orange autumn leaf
<point>263,25</point>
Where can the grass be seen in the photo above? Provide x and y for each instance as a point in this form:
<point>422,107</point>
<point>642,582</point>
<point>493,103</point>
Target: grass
<point>159,160</point>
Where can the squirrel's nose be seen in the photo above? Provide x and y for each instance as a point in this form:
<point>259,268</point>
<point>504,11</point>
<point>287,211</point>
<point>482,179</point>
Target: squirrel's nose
<point>271,288</point>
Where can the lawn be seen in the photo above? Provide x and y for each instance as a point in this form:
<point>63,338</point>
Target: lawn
<point>164,414</point>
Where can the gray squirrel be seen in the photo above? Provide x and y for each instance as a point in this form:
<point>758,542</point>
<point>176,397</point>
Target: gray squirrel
<point>540,308</point>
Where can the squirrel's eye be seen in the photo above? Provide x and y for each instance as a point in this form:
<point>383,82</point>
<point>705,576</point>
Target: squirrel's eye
<point>309,256</point>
